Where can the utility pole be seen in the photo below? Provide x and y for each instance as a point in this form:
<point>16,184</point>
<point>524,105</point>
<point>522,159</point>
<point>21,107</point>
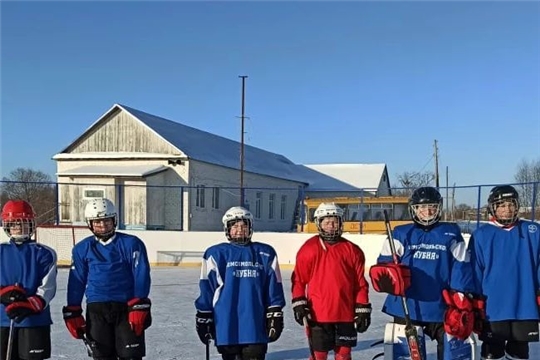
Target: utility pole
<point>436,165</point>
<point>242,117</point>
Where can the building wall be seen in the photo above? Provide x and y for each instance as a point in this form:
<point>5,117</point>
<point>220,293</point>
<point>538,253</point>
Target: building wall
<point>208,218</point>
<point>122,133</point>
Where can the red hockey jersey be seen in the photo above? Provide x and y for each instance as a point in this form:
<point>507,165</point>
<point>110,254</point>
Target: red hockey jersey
<point>331,276</point>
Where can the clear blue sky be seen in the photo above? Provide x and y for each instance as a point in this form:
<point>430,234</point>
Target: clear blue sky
<point>350,82</point>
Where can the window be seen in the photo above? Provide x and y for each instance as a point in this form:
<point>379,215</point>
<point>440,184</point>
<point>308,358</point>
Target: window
<point>199,201</point>
<point>271,201</point>
<point>215,198</point>
<point>258,201</point>
<point>283,209</point>
<point>93,193</point>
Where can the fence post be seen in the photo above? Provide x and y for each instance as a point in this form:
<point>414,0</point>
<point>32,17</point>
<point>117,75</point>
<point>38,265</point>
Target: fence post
<point>533,205</point>
<point>478,206</point>
<point>57,204</point>
<point>181,208</point>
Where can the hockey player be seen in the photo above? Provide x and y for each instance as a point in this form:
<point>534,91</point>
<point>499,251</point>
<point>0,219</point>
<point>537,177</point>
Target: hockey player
<point>434,272</point>
<point>241,294</point>
<point>329,288</point>
<point>111,268</point>
<point>27,286</point>
<point>506,257</point>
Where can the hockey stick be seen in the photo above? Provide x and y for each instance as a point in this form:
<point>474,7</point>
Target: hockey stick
<point>11,338</point>
<point>410,331</point>
<point>208,338</point>
<point>308,335</point>
<point>89,348</point>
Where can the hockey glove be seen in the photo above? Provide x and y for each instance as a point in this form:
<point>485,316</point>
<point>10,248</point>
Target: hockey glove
<point>274,322</point>
<point>362,317</point>
<point>479,310</point>
<point>139,316</point>
<point>390,278</point>
<point>11,293</point>
<point>459,316</point>
<point>301,310</point>
<point>19,310</point>
<point>74,321</point>
<point>204,323</point>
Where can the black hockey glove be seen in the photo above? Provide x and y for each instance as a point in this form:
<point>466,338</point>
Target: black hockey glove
<point>11,293</point>
<point>362,317</point>
<point>274,322</point>
<point>205,326</point>
<point>301,310</point>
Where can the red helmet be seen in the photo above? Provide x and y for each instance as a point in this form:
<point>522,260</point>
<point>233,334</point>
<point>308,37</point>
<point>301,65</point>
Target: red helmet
<point>18,213</point>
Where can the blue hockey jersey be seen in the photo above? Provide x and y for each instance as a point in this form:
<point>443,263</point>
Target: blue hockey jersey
<point>238,283</point>
<point>507,269</point>
<point>32,266</point>
<point>116,270</point>
<point>438,260</point>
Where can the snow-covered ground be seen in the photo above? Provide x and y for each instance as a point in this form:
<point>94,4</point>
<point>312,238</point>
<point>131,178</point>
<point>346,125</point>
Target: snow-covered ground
<point>173,336</point>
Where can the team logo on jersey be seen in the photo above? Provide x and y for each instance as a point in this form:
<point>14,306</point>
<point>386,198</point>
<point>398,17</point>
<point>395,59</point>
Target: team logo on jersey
<point>532,228</point>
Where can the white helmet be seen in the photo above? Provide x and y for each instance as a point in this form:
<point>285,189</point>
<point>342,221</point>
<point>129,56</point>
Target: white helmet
<point>98,209</point>
<point>231,216</point>
<point>329,210</point>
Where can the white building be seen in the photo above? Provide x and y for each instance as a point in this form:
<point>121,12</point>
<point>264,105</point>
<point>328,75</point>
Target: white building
<point>166,175</point>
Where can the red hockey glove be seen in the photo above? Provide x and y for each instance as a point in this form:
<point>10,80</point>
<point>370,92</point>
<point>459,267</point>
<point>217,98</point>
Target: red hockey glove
<point>274,322</point>
<point>204,324</point>
<point>19,310</point>
<point>362,317</point>
<point>74,321</point>
<point>139,316</point>
<point>479,309</point>
<point>459,316</point>
<point>11,293</point>
<point>301,310</point>
<point>390,278</point>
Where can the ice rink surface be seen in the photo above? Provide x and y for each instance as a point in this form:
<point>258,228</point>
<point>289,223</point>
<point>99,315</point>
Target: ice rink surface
<point>173,336</point>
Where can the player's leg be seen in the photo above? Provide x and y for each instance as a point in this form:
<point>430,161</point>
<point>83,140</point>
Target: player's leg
<point>492,350</point>
<point>100,330</point>
<point>4,338</point>
<point>517,350</point>
<point>34,343</point>
<point>128,345</point>
<point>323,339</point>
<point>346,338</point>
<point>435,331</point>
<point>254,351</point>
<point>230,352</point>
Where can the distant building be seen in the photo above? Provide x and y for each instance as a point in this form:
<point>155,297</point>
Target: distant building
<point>166,175</point>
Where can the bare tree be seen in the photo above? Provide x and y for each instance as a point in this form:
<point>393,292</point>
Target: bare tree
<point>408,181</point>
<point>34,186</point>
<point>529,173</point>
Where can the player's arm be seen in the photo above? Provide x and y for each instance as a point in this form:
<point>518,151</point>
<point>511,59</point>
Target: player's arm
<point>276,301</point>
<point>209,281</point>
<point>141,270</point>
<point>47,288</point>
<point>77,279</point>
<point>299,279</point>
<point>362,309</point>
<point>276,296</point>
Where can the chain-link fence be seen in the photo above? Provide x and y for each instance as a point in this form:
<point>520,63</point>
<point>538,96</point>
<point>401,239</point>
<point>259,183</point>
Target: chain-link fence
<point>145,206</point>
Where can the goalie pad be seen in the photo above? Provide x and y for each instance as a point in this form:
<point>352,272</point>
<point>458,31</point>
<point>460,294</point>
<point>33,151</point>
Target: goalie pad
<point>390,278</point>
<point>456,349</point>
<point>395,342</point>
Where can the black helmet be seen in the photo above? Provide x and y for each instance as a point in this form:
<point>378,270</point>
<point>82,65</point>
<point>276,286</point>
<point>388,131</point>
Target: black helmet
<point>499,195</point>
<point>424,196</point>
